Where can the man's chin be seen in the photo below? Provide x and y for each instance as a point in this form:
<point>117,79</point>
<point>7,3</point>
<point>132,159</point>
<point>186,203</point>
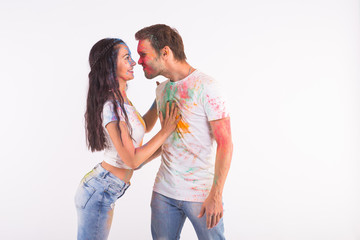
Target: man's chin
<point>149,76</point>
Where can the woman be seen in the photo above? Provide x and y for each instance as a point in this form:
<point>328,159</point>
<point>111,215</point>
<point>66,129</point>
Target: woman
<point>114,125</point>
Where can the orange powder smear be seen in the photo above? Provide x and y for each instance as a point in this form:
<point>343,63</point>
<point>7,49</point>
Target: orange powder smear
<point>110,217</point>
<point>182,127</point>
<point>140,118</point>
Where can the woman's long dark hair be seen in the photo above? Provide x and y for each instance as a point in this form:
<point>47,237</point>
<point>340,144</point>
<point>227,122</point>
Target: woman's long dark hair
<point>103,86</point>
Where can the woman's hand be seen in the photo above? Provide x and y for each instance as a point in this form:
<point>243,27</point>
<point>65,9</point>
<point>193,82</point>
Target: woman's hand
<point>134,157</point>
<point>172,117</point>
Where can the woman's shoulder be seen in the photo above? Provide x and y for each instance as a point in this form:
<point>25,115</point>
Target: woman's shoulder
<point>108,113</point>
<point>108,104</point>
<point>109,107</point>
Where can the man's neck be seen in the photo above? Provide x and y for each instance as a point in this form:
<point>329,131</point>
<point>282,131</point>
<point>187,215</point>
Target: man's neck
<point>179,71</point>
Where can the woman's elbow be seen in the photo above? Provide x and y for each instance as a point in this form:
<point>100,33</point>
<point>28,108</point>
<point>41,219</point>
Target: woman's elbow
<point>132,165</point>
<point>130,162</point>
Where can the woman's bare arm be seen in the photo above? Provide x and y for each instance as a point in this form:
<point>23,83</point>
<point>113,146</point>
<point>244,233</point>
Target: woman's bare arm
<point>134,157</point>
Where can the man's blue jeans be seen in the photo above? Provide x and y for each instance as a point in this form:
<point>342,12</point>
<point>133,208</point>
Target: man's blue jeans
<point>168,216</point>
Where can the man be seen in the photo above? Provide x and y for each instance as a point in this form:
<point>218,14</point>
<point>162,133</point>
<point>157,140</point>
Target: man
<point>190,180</point>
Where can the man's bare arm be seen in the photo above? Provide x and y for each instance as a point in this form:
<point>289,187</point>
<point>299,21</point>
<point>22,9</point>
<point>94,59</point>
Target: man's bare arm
<point>213,204</point>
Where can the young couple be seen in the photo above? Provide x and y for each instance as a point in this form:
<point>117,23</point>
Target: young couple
<point>190,181</point>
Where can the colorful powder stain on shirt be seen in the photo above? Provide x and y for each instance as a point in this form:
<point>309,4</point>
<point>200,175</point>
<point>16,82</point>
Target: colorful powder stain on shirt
<point>187,167</point>
<point>184,93</point>
<point>216,104</point>
<point>182,127</point>
<point>140,118</point>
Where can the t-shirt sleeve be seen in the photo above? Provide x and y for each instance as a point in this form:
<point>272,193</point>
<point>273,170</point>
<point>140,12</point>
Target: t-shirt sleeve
<point>214,102</point>
<point>108,114</point>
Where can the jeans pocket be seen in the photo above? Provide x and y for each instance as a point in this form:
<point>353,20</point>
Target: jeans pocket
<point>112,193</point>
<point>83,195</point>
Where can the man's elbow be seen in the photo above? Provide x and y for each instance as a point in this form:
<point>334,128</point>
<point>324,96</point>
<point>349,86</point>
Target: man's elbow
<point>225,145</point>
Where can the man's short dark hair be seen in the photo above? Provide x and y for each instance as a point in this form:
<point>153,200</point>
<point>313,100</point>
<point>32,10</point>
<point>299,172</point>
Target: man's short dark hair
<point>161,35</point>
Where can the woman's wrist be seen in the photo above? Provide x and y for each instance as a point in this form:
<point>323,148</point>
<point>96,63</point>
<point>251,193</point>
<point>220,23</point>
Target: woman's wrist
<point>165,132</point>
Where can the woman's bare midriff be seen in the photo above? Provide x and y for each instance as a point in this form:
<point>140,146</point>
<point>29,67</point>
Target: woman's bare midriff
<point>124,174</point>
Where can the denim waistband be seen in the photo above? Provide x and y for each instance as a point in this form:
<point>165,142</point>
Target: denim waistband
<point>102,173</point>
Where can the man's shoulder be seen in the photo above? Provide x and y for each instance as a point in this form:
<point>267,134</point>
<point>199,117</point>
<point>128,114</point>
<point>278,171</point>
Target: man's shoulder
<point>161,86</point>
<point>203,77</point>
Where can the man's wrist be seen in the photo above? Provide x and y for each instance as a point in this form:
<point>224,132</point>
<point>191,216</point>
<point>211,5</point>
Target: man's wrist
<point>216,193</point>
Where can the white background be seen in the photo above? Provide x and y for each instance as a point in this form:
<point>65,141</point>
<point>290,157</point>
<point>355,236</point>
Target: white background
<point>290,70</point>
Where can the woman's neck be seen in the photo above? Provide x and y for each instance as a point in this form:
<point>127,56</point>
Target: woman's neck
<point>122,89</point>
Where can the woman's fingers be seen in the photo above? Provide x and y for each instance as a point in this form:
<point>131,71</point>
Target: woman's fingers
<point>161,118</point>
<point>173,109</point>
<point>172,116</point>
<point>177,115</point>
<point>167,109</point>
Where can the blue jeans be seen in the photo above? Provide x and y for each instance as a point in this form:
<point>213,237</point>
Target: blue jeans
<point>95,201</point>
<point>168,216</point>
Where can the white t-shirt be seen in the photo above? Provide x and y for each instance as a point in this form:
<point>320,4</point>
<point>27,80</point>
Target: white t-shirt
<point>137,124</point>
<point>187,161</point>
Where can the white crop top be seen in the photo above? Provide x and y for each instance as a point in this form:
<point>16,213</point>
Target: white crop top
<point>137,124</point>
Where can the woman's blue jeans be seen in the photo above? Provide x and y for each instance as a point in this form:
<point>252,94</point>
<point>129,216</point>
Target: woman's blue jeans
<point>168,216</point>
<point>95,202</point>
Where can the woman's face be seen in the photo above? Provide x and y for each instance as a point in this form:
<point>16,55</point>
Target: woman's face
<point>125,64</point>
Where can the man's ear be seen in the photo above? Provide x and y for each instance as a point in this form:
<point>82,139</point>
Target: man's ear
<point>165,52</point>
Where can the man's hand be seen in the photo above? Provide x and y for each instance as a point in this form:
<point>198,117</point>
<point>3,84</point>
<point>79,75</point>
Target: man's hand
<point>214,210</point>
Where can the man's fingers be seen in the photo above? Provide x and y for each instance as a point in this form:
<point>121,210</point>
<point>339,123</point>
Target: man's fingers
<point>209,218</point>
<point>217,219</point>
<point>212,221</point>
<point>202,211</point>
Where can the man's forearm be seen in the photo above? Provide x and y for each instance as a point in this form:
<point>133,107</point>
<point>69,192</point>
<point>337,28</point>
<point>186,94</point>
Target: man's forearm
<point>222,166</point>
<point>212,206</point>
<point>222,133</point>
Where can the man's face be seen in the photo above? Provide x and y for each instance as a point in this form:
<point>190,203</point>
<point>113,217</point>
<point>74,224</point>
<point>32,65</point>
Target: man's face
<point>149,59</point>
